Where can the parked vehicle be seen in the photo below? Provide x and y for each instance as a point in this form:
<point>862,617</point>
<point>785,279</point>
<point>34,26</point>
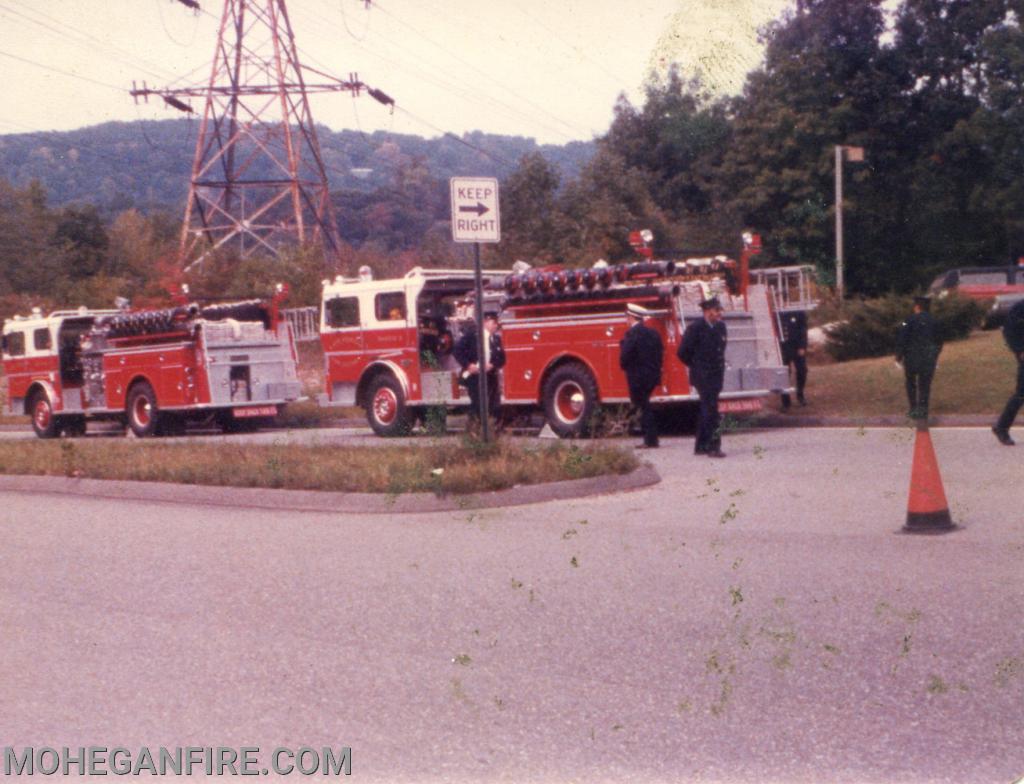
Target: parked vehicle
<point>387,343</point>
<point>233,364</point>
<point>1001,287</point>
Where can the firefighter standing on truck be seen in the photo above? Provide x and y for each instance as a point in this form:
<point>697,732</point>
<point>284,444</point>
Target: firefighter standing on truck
<point>469,360</point>
<point>702,350</point>
<point>640,355</point>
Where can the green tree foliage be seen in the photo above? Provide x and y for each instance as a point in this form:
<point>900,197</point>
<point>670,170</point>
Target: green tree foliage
<point>820,86</point>
<point>529,211</point>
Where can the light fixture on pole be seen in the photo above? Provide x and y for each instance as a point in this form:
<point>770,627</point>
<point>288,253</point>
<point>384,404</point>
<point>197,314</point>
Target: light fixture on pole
<point>854,155</point>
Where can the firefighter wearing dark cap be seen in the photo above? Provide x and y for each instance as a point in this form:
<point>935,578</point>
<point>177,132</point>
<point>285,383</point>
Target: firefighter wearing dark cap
<point>794,352</point>
<point>1013,331</point>
<point>917,349</point>
<point>702,350</point>
<point>466,354</point>
<point>640,356</point>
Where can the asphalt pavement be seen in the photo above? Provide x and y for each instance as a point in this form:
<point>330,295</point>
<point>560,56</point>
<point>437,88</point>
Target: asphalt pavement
<point>753,619</point>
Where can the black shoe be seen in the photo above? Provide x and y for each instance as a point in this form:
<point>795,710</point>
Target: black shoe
<point>1003,436</point>
<point>646,446</point>
<point>700,450</point>
<point>785,402</point>
<point>801,400</point>
<point>715,453</point>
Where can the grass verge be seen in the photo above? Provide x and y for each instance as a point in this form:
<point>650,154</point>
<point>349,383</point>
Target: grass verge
<point>974,376</point>
<point>449,468</point>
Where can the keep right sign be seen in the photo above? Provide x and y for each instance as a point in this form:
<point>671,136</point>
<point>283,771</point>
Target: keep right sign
<point>475,215</point>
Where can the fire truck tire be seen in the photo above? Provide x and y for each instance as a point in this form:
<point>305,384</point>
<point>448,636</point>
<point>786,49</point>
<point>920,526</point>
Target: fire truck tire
<point>44,422</point>
<point>142,412</point>
<point>386,409</point>
<point>570,400</point>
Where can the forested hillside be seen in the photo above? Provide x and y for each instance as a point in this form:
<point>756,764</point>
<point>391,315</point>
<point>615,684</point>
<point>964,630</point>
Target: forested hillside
<point>146,165</point>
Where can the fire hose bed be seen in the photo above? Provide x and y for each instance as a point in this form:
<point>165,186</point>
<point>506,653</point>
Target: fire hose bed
<point>395,478</point>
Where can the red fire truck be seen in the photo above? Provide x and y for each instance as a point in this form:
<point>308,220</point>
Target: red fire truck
<point>387,343</point>
<point>233,364</point>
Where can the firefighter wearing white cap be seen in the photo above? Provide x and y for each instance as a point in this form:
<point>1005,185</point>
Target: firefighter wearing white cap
<point>640,356</point>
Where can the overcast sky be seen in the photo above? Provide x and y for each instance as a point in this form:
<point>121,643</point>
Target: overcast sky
<point>550,69</point>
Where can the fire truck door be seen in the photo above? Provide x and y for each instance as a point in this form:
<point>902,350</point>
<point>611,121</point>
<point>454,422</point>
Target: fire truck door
<point>342,339</point>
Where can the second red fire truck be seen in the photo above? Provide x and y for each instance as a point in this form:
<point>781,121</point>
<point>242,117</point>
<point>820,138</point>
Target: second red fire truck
<point>232,364</point>
<point>387,343</point>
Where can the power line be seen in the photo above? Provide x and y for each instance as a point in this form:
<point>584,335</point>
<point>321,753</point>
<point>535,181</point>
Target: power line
<point>581,52</point>
<point>467,94</point>
<point>468,64</point>
<point>83,39</point>
<point>62,72</point>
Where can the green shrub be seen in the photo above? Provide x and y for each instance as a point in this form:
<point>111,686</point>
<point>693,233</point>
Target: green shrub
<point>871,326</point>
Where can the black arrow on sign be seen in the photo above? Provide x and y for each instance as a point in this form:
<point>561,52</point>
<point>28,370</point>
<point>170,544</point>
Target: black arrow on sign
<point>479,209</point>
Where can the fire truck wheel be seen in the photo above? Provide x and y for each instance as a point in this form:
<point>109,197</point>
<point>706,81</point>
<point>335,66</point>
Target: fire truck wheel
<point>386,409</point>
<point>44,422</point>
<point>570,401</point>
<point>143,415</point>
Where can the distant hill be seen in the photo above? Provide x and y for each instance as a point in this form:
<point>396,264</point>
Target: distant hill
<point>146,165</point>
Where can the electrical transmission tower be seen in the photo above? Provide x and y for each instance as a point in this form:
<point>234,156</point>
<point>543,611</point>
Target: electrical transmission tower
<point>258,178</point>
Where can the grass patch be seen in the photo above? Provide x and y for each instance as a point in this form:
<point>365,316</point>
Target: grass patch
<point>454,468</point>
<point>974,376</point>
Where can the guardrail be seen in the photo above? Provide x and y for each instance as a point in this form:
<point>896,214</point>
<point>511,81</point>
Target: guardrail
<point>305,322</point>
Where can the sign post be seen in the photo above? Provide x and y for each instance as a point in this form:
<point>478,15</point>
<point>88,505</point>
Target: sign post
<point>476,219</point>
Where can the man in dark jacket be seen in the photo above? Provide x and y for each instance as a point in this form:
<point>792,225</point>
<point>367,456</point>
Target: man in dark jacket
<point>702,350</point>
<point>917,349</point>
<point>466,354</point>
<point>794,352</point>
<point>1013,331</point>
<point>640,355</point>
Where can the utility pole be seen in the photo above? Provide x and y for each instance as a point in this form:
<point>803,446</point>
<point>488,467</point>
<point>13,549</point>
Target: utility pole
<point>854,155</point>
<point>258,178</point>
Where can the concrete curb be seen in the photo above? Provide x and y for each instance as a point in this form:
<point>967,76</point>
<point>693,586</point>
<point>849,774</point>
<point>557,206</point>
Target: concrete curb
<point>323,501</point>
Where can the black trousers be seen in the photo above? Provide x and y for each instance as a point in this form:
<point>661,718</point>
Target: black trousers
<point>640,397</point>
<point>493,395</point>
<point>792,359</point>
<point>709,436</point>
<point>1015,402</point>
<point>919,386</point>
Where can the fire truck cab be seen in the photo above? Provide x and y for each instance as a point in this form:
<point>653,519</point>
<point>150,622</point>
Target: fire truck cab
<point>387,343</point>
<point>154,370</point>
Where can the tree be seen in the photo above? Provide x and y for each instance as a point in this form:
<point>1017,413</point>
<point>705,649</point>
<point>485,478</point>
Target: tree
<point>821,85</point>
<point>529,211</point>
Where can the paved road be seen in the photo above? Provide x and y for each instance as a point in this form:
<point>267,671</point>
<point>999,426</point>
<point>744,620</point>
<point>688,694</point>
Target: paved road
<point>756,619</point>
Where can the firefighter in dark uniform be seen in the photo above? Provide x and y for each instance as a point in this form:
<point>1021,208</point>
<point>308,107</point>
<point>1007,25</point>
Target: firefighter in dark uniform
<point>1013,331</point>
<point>640,355</point>
<point>702,350</point>
<point>465,353</point>
<point>917,349</point>
<point>794,352</point>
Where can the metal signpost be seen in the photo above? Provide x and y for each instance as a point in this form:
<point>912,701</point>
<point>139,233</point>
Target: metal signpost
<point>854,155</point>
<point>476,219</point>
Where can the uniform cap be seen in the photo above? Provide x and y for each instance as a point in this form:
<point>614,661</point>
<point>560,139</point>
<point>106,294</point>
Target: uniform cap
<point>708,304</point>
<point>632,309</point>
<point>924,302</point>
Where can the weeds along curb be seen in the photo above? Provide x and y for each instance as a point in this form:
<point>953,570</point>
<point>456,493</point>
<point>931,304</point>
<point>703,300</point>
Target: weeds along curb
<point>324,501</point>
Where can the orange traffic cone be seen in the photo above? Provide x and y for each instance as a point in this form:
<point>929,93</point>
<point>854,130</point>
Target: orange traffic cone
<point>927,509</point>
